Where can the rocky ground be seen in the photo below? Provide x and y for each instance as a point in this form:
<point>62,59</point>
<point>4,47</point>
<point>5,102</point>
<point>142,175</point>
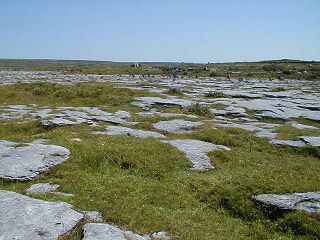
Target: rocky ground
<point>129,157</point>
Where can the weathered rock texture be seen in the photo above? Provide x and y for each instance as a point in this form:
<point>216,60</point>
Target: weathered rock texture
<point>26,161</point>
<point>101,231</point>
<point>117,130</point>
<point>176,126</point>
<point>33,219</point>
<point>196,151</point>
<point>309,201</point>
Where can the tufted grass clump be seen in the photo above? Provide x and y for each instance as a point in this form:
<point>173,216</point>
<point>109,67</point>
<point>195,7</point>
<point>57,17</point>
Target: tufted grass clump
<point>216,95</point>
<point>198,109</point>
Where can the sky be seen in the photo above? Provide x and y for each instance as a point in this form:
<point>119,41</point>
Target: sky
<point>160,30</point>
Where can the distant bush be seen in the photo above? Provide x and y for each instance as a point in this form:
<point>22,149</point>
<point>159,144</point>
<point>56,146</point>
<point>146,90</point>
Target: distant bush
<point>174,91</point>
<point>216,95</point>
<point>214,74</point>
<point>278,89</point>
<point>199,109</point>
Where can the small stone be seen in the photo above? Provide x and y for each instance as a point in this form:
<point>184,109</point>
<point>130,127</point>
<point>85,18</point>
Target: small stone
<point>76,139</point>
<point>42,188</point>
<point>160,235</point>
<point>93,216</point>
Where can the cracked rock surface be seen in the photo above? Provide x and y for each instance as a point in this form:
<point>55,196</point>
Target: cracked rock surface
<point>102,231</point>
<point>309,201</point>
<point>117,130</point>
<point>34,219</point>
<point>176,126</point>
<point>26,161</point>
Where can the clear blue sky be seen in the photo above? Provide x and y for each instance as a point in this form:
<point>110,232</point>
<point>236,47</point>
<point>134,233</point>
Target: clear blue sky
<point>160,30</point>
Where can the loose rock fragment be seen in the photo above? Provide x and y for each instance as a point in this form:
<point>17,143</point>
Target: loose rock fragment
<point>92,215</point>
<point>42,188</point>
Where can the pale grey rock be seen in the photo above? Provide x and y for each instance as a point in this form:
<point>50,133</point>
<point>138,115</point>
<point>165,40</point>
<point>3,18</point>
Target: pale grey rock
<point>26,161</point>
<point>147,102</point>
<point>117,130</point>
<point>291,143</point>
<point>64,194</point>
<point>299,125</point>
<point>229,111</point>
<point>39,141</point>
<point>309,201</point>
<point>122,114</point>
<point>56,122</point>
<point>176,126</point>
<point>76,139</point>
<point>313,141</point>
<point>196,151</point>
<point>161,114</point>
<point>93,215</point>
<point>160,236</point>
<point>266,134</point>
<point>42,188</point>
<point>102,231</point>
<point>26,218</point>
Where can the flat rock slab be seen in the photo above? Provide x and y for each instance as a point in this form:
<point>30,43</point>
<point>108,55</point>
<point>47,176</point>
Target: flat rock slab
<point>167,115</point>
<point>57,122</point>
<point>176,126</point>
<point>27,218</point>
<point>196,151</point>
<point>309,201</point>
<point>313,141</point>
<point>299,125</point>
<point>117,130</point>
<point>291,143</point>
<point>26,161</point>
<point>147,102</point>
<point>101,231</point>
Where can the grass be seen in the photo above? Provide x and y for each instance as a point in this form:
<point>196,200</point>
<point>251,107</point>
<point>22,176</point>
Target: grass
<point>287,132</point>
<point>81,94</point>
<point>147,186</point>
<point>198,109</point>
<point>174,91</point>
